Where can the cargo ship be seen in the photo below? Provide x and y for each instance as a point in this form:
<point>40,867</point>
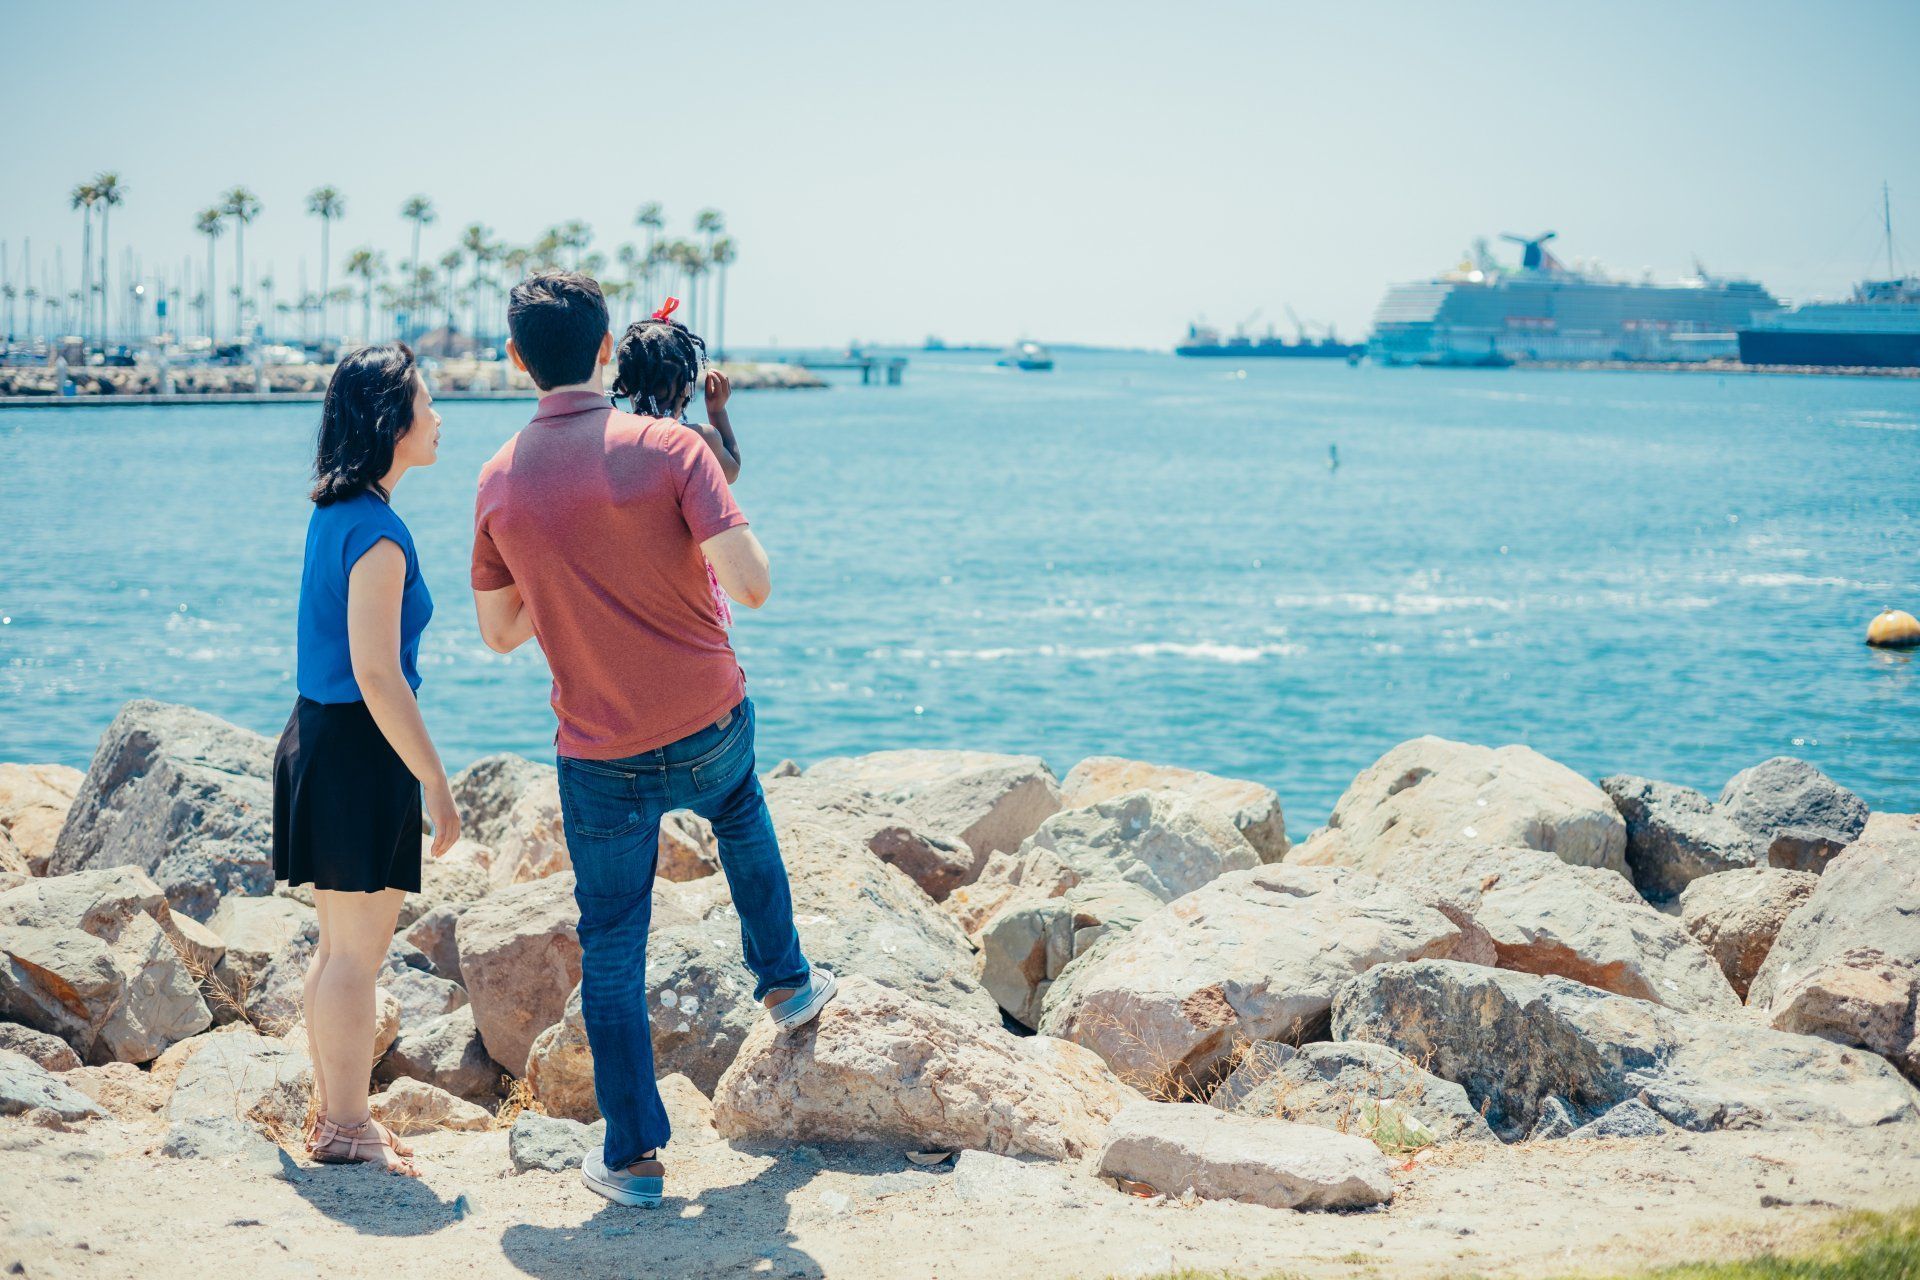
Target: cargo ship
<point>1483,313</point>
<point>1205,342</point>
<point>1878,328</point>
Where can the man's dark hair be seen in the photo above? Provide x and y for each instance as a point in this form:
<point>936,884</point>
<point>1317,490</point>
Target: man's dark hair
<point>656,363</point>
<point>369,406</point>
<point>557,320</point>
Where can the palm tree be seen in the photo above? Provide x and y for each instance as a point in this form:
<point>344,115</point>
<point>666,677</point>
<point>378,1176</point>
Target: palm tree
<point>629,258</point>
<point>650,217</point>
<point>546,250</point>
<point>450,262</point>
<point>210,224</point>
<point>325,203</point>
<point>365,265</point>
<point>243,207</point>
<point>723,255</point>
<point>575,235</point>
<point>710,223</point>
<point>109,192</point>
<point>477,240</point>
<point>83,198</point>
<point>419,211</point>
<point>264,290</point>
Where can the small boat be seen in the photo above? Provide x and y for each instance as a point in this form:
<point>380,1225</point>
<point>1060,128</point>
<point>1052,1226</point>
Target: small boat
<point>1026,355</point>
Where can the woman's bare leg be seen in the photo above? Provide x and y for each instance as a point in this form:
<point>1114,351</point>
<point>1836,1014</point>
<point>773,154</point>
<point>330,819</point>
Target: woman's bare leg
<point>317,967</point>
<point>361,929</point>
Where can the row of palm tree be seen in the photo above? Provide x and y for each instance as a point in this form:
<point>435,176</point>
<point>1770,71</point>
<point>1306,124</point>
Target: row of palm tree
<point>476,271</point>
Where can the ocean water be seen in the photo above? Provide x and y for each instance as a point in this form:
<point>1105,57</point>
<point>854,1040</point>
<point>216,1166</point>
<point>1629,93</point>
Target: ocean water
<point>1135,555</point>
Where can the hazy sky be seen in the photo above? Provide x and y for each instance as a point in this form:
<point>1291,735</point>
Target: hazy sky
<point>1098,172</point>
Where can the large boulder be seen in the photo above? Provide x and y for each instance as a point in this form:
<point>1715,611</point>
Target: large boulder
<point>451,882</point>
<point>270,943</point>
<point>1804,816</point>
<point>446,1052</point>
<point>1859,997</point>
<point>100,901</point>
<point>1250,808</point>
<point>1544,916</point>
<point>1431,788</point>
<point>1737,914</point>
<point>49,1051</point>
<point>937,861</point>
<point>1676,835</point>
<point>1868,896</point>
<point>486,791</point>
<point>1090,872</point>
<point>560,1066</point>
<point>34,800</point>
<point>881,1066</point>
<point>184,796</point>
<point>260,1079</point>
<point>520,956</point>
<point>1255,955</point>
<point>414,1106</point>
<point>25,1085</point>
<point>993,802</point>
<point>1180,1147</point>
<point>88,957</point>
<point>1515,1040</point>
<point>1349,1085</point>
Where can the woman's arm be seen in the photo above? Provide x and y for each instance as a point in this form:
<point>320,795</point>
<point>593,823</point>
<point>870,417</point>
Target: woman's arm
<point>504,622</point>
<point>374,588</point>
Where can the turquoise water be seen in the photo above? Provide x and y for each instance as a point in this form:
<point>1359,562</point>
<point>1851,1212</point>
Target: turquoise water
<point>1665,574</point>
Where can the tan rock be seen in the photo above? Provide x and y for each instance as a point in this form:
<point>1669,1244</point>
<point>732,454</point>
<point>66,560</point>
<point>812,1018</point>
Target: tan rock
<point>123,1090</point>
<point>937,861</point>
<point>1252,809</point>
<point>1544,916</point>
<point>688,850</point>
<point>560,1067</point>
<point>251,1077</point>
<point>1859,997</point>
<point>1431,788</point>
<point>1177,1148</point>
<point>992,801</point>
<point>414,1106</point>
<point>1737,914</point>
<point>458,877</point>
<point>520,956</point>
<point>1868,896</point>
<point>34,800</point>
<point>880,1066</point>
<point>1255,955</point>
<point>688,1110</point>
<point>48,1051</point>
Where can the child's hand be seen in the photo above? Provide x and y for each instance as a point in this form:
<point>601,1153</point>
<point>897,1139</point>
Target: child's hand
<point>718,389</point>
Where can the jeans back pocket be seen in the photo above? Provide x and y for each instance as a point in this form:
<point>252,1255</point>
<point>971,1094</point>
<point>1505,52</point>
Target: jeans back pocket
<point>597,801</point>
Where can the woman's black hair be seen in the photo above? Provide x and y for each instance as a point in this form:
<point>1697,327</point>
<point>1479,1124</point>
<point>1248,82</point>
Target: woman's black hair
<point>656,363</point>
<point>369,406</point>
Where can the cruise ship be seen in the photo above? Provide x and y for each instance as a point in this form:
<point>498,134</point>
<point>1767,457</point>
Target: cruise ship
<point>1878,329</point>
<point>1483,313</point>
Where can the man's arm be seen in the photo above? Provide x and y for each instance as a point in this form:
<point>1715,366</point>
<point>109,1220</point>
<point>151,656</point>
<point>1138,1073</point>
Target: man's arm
<point>504,624</point>
<point>740,562</point>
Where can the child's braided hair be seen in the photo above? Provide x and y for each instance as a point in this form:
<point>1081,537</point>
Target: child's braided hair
<point>658,361</point>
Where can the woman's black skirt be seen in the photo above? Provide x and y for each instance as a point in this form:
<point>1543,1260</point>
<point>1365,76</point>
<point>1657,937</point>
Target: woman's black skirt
<point>346,810</point>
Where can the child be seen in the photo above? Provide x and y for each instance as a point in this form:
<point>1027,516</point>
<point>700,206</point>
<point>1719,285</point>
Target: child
<point>656,366</point>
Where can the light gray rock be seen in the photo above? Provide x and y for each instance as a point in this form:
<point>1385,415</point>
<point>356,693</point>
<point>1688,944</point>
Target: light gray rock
<point>1675,835</point>
<point>1431,788</point>
<point>25,1085</point>
<point>227,1140</point>
<point>1255,955</point>
<point>49,1051</point>
<point>1631,1119</point>
<point>1512,1040</point>
<point>1868,896</point>
<point>240,1075</point>
<point>880,1066</point>
<point>982,1177</point>
<point>1544,916</point>
<point>1180,1147</point>
<point>1859,997</point>
<point>433,933</point>
<point>937,861</point>
<point>1557,1120</point>
<point>1250,808</point>
<point>992,801</point>
<point>1736,915</point>
<point>421,996</point>
<point>181,794</point>
<point>1804,816</point>
<point>122,998</point>
<point>520,956</point>
<point>1087,873</point>
<point>446,1052</point>
<point>1349,1086</point>
<point>486,791</point>
<point>543,1142</point>
<point>451,882</point>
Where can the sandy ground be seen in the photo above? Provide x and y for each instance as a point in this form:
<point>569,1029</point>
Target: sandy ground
<point>96,1202</point>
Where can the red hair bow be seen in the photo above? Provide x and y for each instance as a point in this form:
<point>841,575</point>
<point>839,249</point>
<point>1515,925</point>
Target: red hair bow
<point>667,308</point>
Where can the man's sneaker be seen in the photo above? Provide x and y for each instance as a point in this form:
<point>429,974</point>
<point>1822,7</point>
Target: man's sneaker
<point>619,1186</point>
<point>803,1005</point>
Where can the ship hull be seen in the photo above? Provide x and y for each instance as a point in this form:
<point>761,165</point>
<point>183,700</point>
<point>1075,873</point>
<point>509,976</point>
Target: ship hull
<point>1840,350</point>
<point>1266,351</point>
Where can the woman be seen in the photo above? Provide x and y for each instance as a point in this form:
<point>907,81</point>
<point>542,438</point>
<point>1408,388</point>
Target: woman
<point>355,757</point>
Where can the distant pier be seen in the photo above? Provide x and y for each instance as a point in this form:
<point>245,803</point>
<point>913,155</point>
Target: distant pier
<point>872,368</point>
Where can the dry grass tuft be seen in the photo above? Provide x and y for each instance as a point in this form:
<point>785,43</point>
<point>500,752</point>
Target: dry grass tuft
<point>519,1098</point>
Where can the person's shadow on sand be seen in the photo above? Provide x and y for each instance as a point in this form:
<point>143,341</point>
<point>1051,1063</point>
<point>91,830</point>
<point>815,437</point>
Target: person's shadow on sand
<point>371,1201</point>
<point>740,1229</point>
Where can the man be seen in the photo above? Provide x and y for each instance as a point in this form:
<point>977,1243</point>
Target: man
<point>592,531</point>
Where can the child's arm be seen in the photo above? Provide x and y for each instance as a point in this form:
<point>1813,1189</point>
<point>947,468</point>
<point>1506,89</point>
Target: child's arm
<point>718,431</point>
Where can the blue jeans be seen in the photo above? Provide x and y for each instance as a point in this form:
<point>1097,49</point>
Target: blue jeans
<point>611,810</point>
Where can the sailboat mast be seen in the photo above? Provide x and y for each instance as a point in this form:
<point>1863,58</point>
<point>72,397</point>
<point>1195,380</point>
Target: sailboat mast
<point>1886,218</point>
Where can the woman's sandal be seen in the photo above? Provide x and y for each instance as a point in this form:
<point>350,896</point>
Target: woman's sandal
<point>358,1140</point>
<point>311,1139</point>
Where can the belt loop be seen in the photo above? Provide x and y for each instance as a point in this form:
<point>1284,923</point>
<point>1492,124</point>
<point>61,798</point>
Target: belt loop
<point>724,721</point>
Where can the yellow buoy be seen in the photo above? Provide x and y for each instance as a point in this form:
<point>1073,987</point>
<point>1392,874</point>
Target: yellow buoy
<point>1894,629</point>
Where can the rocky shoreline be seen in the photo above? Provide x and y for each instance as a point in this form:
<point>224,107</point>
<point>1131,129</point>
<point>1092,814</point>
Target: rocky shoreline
<point>1122,991</point>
